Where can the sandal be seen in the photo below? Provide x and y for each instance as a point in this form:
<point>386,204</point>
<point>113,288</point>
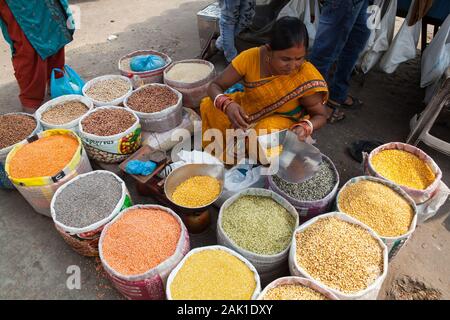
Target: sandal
<point>336,115</point>
<point>357,148</point>
<point>356,104</point>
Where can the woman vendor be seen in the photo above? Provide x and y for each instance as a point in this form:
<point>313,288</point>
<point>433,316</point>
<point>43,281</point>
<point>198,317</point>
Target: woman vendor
<point>282,89</point>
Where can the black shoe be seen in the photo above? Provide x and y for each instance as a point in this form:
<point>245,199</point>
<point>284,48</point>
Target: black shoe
<point>357,148</point>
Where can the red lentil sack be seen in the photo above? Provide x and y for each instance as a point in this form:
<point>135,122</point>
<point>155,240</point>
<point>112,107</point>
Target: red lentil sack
<point>269,266</point>
<point>111,95</point>
<point>39,191</point>
<point>5,183</point>
<point>312,284</point>
<point>143,77</point>
<point>394,244</point>
<point>310,209</point>
<point>370,292</point>
<point>111,148</point>
<point>84,240</point>
<point>149,285</point>
<point>429,200</point>
<point>193,92</point>
<point>160,121</point>
<point>64,112</point>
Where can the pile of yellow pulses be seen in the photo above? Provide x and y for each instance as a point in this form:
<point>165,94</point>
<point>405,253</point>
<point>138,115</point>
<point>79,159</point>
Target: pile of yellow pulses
<point>293,292</point>
<point>403,168</point>
<point>340,254</point>
<point>44,157</point>
<point>213,275</point>
<point>378,206</point>
<point>196,191</point>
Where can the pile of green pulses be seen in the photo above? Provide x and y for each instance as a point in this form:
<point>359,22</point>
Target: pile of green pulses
<point>315,188</point>
<point>258,224</point>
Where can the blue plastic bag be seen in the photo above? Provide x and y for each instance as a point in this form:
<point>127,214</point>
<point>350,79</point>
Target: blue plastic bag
<point>143,168</point>
<point>146,63</point>
<point>69,82</point>
<point>235,88</point>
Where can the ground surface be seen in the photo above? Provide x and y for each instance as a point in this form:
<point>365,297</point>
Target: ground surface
<point>34,258</point>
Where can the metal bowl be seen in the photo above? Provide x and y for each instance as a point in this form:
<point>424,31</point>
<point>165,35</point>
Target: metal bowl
<point>181,174</point>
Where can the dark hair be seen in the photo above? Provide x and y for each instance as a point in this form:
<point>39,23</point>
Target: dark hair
<point>288,32</point>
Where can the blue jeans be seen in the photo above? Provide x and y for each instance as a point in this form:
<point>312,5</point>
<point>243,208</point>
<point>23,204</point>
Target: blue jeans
<point>235,16</point>
<point>341,37</point>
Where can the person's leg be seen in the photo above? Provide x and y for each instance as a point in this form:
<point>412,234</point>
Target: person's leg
<point>246,15</point>
<point>30,69</point>
<point>55,61</point>
<point>347,59</point>
<point>229,17</point>
<point>335,24</point>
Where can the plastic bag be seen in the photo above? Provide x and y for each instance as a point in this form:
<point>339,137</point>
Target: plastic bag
<point>429,208</point>
<point>380,37</point>
<point>238,178</point>
<point>302,9</point>
<point>69,83</point>
<point>404,46</point>
<point>146,63</point>
<point>436,57</point>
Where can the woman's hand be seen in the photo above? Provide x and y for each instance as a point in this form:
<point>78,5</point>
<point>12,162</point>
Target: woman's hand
<point>238,118</point>
<point>301,133</point>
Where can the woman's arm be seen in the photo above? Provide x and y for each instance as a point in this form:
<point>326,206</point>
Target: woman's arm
<point>234,111</point>
<point>317,113</point>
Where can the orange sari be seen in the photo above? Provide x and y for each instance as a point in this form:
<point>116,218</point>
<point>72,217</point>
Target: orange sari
<point>272,103</point>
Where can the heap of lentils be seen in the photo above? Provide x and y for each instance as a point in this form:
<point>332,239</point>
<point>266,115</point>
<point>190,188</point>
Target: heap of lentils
<point>342,255</point>
<point>108,90</point>
<point>213,274</point>
<point>403,168</point>
<point>293,292</point>
<point>44,157</point>
<point>64,113</point>
<point>196,191</point>
<point>152,99</point>
<point>140,240</point>
<point>108,122</point>
<point>383,209</point>
<point>315,188</point>
<point>88,200</point>
<point>15,128</point>
<point>258,224</point>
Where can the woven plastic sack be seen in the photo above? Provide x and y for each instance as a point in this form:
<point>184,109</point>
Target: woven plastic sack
<point>140,78</point>
<point>380,37</point>
<point>404,45</point>
<point>115,102</point>
<point>151,284</point>
<point>269,267</point>
<point>312,284</point>
<point>5,183</point>
<point>164,141</point>
<point>161,121</point>
<point>115,148</point>
<point>310,209</point>
<point>173,274</point>
<point>419,196</point>
<point>72,125</point>
<point>394,244</point>
<point>39,191</point>
<point>193,92</point>
<point>371,292</point>
<point>436,57</point>
<point>85,240</point>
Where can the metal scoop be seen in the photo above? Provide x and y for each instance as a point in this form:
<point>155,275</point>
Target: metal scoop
<point>299,160</point>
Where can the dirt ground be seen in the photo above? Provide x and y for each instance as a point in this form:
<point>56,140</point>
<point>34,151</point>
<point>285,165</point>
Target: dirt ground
<point>34,258</point>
